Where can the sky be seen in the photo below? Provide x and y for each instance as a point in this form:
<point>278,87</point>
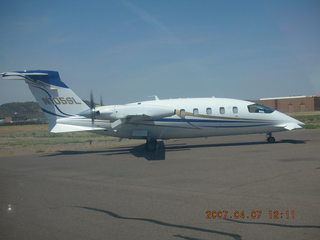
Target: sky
<point>130,50</point>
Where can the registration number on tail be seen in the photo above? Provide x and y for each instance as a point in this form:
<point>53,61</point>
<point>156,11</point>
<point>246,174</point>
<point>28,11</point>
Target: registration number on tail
<point>60,100</point>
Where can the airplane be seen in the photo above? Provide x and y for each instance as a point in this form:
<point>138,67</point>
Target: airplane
<point>153,120</point>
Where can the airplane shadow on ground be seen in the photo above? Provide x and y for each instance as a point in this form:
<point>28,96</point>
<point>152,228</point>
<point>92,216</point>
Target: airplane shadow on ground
<point>163,223</point>
<point>193,228</point>
<point>273,224</point>
<point>160,153</point>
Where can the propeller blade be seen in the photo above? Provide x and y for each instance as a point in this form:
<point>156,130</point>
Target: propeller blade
<point>101,101</point>
<point>92,107</point>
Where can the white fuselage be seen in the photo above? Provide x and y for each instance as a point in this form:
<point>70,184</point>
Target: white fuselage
<point>151,120</point>
<point>195,117</point>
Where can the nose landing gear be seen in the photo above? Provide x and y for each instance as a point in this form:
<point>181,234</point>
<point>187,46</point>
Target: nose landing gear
<point>270,138</point>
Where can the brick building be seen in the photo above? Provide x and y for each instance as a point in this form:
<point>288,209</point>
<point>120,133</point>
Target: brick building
<point>292,104</point>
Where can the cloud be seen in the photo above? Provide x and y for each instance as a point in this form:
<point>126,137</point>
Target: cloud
<point>144,15</point>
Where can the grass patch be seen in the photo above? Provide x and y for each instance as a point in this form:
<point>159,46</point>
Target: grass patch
<point>31,139</point>
<point>46,134</point>
<point>34,143</point>
<point>38,135</point>
<point>41,131</point>
<point>25,143</point>
<point>310,119</point>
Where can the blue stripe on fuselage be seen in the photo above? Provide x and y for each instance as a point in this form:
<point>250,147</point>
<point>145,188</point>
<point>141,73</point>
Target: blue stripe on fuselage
<point>242,126</point>
<point>254,123</point>
<point>202,120</point>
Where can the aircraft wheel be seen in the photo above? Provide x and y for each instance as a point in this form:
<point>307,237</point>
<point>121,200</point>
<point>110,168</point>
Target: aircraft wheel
<point>151,145</point>
<point>271,140</point>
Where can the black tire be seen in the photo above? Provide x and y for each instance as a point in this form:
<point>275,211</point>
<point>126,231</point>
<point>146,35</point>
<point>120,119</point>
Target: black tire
<point>271,140</point>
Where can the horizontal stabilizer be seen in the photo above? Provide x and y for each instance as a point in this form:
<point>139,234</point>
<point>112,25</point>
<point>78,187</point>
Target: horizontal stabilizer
<point>62,128</point>
<point>21,75</point>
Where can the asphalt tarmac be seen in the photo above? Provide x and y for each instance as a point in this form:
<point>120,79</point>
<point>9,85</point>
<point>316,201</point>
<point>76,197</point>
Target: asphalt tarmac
<point>247,188</point>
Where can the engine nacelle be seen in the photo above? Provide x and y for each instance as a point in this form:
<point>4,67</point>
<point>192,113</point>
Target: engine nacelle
<point>124,111</point>
<point>121,112</point>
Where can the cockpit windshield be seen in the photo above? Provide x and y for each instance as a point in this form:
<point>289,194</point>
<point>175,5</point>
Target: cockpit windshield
<point>257,108</point>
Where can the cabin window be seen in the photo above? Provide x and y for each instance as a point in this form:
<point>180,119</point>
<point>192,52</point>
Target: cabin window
<point>195,111</point>
<point>209,111</point>
<point>235,110</point>
<point>222,110</point>
<point>182,113</point>
<point>257,108</point>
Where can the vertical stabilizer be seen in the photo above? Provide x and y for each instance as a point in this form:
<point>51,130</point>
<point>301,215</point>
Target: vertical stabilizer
<point>55,98</point>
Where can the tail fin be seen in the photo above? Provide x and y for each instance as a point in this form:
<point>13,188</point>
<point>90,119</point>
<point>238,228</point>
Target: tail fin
<point>55,98</point>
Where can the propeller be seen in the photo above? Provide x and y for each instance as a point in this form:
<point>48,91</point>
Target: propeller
<point>101,101</point>
<point>92,108</point>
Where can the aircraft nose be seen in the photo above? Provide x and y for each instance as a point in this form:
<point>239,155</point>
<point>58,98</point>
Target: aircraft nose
<point>296,121</point>
<point>289,122</point>
<point>293,123</point>
<point>300,123</point>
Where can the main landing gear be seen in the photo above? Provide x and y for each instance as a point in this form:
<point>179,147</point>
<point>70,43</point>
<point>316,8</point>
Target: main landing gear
<point>151,144</point>
<point>270,138</point>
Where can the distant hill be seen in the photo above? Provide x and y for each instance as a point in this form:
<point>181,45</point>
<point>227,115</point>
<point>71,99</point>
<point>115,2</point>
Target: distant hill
<point>26,110</point>
<point>29,110</point>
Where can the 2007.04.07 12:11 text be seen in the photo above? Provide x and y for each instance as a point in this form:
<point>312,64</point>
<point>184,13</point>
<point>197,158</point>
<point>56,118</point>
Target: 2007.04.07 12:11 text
<point>252,214</point>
